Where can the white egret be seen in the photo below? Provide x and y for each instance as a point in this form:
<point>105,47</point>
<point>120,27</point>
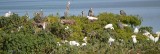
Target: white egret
<point>74,43</point>
<point>58,44</point>
<point>158,33</point>
<point>110,40</point>
<point>66,28</point>
<point>92,18</point>
<point>8,14</point>
<point>64,41</point>
<point>85,40</point>
<point>44,25</point>
<point>157,38</point>
<point>134,39</point>
<point>136,30</point>
<point>125,25</point>
<point>151,37</point>
<point>146,33</point>
<point>19,28</point>
<point>110,26</point>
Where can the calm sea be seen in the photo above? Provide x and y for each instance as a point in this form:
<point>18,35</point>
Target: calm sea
<point>149,10</point>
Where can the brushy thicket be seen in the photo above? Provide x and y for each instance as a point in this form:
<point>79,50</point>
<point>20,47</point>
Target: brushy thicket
<point>26,41</point>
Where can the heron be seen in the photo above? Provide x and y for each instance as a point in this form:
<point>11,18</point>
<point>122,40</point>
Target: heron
<point>67,9</point>
<point>90,12</point>
<point>122,12</point>
<point>120,24</point>
<point>134,38</point>
<point>82,13</point>
<point>110,26</point>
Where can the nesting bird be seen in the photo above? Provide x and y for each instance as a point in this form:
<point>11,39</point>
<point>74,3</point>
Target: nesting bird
<point>8,14</point>
<point>66,28</point>
<point>110,26</point>
<point>85,40</point>
<point>136,30</point>
<point>74,43</point>
<point>110,40</point>
<point>134,38</point>
<point>151,37</point>
<point>122,12</point>
<point>146,33</point>
<point>92,18</point>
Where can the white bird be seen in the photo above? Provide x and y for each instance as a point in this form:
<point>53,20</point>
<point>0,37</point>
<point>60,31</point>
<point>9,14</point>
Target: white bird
<point>19,28</point>
<point>8,14</point>
<point>157,38</point>
<point>110,26</point>
<point>92,18</point>
<point>58,44</point>
<point>64,41</point>
<point>110,40</point>
<point>69,2</point>
<point>84,44</point>
<point>44,25</point>
<point>73,43</point>
<point>158,33</point>
<point>136,30</point>
<point>134,39</point>
<point>151,37</point>
<point>85,40</point>
<point>125,25</point>
<point>66,28</point>
<point>146,33</point>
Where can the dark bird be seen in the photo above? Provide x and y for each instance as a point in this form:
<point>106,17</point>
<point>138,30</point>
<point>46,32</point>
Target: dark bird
<point>122,13</point>
<point>90,12</point>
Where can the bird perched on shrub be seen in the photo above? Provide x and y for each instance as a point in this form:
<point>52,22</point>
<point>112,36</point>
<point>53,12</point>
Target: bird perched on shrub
<point>134,38</point>
<point>90,12</point>
<point>8,14</point>
<point>110,26</point>
<point>122,12</point>
<point>136,30</point>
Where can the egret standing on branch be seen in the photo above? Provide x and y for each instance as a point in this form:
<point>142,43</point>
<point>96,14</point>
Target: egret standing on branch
<point>90,12</point>
<point>67,9</point>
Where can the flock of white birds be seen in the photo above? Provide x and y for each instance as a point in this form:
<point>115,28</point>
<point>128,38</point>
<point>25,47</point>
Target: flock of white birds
<point>111,40</point>
<point>108,26</point>
<point>73,43</point>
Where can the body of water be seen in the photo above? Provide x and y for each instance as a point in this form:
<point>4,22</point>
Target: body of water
<point>149,10</point>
